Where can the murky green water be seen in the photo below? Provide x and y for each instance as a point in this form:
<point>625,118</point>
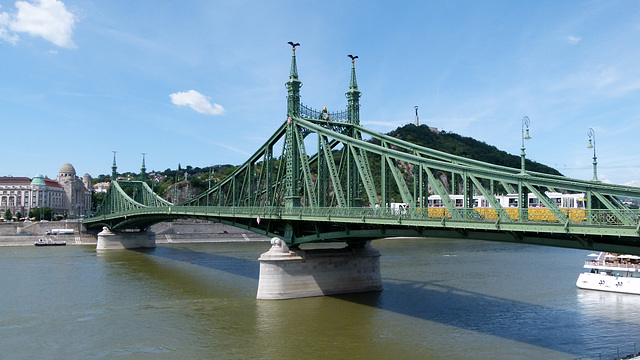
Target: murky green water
<point>442,299</point>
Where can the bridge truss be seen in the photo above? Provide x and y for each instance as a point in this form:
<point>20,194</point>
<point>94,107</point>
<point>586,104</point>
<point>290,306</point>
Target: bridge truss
<point>323,177</point>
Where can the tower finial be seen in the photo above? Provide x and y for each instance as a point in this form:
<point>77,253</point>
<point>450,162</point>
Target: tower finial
<point>293,45</point>
<point>293,85</point>
<point>354,82</point>
<point>294,66</point>
<point>353,95</point>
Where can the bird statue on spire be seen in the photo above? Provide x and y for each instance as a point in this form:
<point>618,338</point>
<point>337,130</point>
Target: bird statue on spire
<point>353,58</point>
<point>293,45</point>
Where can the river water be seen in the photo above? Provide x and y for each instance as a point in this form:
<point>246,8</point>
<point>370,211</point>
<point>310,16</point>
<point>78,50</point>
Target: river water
<point>442,299</point>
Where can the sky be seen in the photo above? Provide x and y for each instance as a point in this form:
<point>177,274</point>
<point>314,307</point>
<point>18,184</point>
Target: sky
<point>202,82</point>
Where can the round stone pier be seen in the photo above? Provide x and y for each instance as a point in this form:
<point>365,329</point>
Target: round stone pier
<point>116,240</point>
<point>287,274</point>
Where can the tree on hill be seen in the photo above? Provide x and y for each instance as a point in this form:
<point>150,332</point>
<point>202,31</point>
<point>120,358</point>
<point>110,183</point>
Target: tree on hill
<point>468,147</point>
<point>450,143</point>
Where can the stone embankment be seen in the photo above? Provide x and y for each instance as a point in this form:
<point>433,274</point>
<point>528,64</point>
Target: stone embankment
<point>183,231</point>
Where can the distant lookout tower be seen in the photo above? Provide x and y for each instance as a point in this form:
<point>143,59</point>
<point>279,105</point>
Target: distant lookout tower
<point>417,121</point>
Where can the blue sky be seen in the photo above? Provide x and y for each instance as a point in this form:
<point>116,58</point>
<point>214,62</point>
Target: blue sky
<point>202,82</point>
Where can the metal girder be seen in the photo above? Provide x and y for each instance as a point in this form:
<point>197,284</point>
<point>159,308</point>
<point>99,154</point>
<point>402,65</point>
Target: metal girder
<point>617,211</point>
<point>559,214</point>
<point>438,187</point>
<point>495,204</point>
<point>402,185</point>
<point>333,173</point>
<point>306,171</point>
<point>365,174</point>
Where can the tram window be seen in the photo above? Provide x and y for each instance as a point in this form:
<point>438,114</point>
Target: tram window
<point>459,203</point>
<point>581,204</point>
<point>475,202</point>
<point>568,202</point>
<point>513,202</point>
<point>534,202</point>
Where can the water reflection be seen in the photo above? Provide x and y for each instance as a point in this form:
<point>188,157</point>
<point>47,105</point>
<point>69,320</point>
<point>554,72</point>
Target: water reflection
<point>417,318</point>
<point>610,306</point>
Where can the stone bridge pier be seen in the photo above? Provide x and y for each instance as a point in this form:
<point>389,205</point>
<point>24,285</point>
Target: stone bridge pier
<point>288,274</point>
<point>117,240</point>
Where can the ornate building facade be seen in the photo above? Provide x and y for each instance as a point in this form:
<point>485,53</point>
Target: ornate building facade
<point>68,195</point>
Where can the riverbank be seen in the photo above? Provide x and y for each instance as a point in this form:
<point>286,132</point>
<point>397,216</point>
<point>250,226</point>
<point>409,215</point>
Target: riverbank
<point>187,231</point>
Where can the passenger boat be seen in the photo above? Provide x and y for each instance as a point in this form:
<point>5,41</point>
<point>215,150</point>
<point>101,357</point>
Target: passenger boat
<point>611,272</point>
<point>49,242</point>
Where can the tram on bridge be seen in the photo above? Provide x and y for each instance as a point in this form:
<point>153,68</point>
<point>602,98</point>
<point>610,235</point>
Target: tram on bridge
<point>573,205</point>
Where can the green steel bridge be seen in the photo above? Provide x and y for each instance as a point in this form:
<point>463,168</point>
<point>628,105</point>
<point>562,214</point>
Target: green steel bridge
<point>322,177</point>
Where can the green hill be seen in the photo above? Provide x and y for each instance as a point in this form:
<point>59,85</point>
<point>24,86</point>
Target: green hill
<point>455,144</point>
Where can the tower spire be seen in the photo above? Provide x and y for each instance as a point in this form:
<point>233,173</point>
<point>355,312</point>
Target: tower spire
<point>293,85</point>
<point>292,158</point>
<point>294,67</point>
<point>353,95</point>
<point>114,167</point>
<point>143,169</point>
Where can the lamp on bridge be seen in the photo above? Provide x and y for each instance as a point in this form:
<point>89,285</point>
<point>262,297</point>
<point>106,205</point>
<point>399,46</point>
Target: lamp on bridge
<point>525,136</point>
<point>592,145</point>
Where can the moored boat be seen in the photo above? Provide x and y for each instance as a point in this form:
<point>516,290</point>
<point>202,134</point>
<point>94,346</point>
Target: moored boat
<point>611,272</point>
<point>49,242</point>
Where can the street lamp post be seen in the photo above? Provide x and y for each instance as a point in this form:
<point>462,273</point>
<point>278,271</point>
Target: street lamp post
<point>525,125</point>
<point>592,145</point>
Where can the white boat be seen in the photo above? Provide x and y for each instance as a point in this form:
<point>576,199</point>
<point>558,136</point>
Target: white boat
<point>611,272</point>
<point>49,242</point>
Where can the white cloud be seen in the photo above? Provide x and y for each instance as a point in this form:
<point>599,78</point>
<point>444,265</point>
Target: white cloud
<point>385,124</point>
<point>197,102</point>
<point>4,34</point>
<point>635,183</point>
<point>573,40</point>
<point>48,19</point>
<point>607,76</point>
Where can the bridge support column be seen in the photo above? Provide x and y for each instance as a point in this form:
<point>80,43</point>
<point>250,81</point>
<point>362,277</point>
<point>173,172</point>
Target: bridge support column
<point>288,274</point>
<point>109,240</point>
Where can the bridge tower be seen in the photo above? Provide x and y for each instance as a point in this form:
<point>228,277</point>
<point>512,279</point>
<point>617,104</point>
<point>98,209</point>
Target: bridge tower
<point>292,273</point>
<point>353,114</point>
<point>292,157</point>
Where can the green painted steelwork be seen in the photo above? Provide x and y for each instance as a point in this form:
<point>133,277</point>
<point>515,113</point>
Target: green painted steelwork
<point>316,180</point>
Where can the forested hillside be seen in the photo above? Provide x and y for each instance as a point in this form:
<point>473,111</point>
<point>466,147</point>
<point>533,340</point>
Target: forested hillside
<point>465,146</point>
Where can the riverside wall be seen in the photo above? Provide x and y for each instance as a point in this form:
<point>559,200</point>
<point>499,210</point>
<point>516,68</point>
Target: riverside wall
<point>181,231</point>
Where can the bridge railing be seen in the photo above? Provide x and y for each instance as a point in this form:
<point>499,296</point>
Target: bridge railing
<point>532,215</point>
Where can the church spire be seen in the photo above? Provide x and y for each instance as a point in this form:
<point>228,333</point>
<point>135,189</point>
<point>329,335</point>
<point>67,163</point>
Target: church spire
<point>353,95</point>
<point>293,85</point>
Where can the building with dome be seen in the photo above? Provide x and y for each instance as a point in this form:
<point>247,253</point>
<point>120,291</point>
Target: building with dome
<point>67,195</point>
<point>77,200</point>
